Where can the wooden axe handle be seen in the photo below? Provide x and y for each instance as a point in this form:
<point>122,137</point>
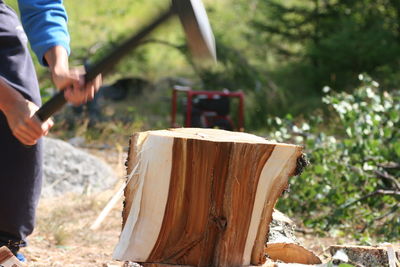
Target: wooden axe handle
<point>104,65</point>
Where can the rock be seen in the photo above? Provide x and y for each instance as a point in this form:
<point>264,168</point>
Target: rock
<point>77,141</point>
<point>69,169</point>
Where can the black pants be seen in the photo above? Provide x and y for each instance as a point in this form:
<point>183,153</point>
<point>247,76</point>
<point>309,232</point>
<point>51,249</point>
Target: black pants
<point>20,166</point>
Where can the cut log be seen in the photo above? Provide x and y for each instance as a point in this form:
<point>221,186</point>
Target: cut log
<point>201,197</point>
<point>291,253</point>
<point>7,258</point>
<point>367,255</point>
<point>282,244</point>
<point>281,229</point>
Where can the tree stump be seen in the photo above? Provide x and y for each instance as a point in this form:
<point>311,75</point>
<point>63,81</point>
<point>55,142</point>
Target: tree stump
<point>201,197</point>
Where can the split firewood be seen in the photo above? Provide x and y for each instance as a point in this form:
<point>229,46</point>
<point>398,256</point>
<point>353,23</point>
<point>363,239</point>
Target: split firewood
<point>7,258</point>
<point>369,256</point>
<point>282,244</point>
<point>290,253</point>
<point>281,229</point>
<point>202,197</point>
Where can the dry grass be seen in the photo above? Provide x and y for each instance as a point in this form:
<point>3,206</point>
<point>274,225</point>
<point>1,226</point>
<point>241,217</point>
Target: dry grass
<point>63,238</point>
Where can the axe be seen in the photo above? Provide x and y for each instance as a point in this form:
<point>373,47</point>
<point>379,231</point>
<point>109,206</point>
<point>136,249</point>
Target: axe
<point>200,39</point>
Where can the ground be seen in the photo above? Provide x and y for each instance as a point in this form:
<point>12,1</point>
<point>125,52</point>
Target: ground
<point>63,238</point>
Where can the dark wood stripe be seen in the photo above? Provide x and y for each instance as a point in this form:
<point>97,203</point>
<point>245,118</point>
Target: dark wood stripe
<point>184,228</point>
<point>130,163</point>
<point>210,202</point>
<point>216,218</point>
<point>245,166</point>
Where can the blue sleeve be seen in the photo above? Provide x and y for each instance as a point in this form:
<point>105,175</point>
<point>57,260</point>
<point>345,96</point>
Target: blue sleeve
<point>45,24</point>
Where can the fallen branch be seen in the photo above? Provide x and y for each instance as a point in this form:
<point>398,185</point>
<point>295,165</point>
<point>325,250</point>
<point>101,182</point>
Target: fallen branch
<point>387,176</point>
<point>389,165</point>
<point>392,210</point>
<point>375,193</point>
<point>304,231</point>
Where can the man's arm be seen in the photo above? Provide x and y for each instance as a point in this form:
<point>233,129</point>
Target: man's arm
<point>45,23</point>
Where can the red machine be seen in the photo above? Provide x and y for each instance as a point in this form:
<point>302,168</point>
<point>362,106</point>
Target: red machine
<point>208,109</point>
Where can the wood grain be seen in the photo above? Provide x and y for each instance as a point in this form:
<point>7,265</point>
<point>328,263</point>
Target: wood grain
<point>201,197</point>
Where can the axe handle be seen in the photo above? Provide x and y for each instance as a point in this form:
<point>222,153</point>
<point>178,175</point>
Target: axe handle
<point>105,64</point>
<point>51,106</point>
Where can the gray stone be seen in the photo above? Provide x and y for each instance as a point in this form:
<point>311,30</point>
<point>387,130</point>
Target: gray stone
<point>69,169</point>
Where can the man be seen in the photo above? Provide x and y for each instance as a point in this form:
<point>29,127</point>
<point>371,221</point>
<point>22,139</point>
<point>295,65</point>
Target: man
<point>44,22</point>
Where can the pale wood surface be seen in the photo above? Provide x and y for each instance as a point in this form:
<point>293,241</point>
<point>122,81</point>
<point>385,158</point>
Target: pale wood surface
<point>291,253</point>
<point>7,259</point>
<point>274,179</point>
<point>202,197</point>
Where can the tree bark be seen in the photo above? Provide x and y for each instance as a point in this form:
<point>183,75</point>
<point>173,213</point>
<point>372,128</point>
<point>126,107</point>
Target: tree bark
<point>367,255</point>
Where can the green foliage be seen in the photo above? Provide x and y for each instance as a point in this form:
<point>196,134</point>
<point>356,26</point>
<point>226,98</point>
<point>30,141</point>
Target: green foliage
<point>353,181</point>
<point>331,41</point>
<point>233,70</point>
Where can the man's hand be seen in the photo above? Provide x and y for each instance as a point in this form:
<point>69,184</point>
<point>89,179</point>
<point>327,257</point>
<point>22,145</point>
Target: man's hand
<point>19,113</point>
<point>26,127</point>
<point>77,90</point>
<point>73,82</point>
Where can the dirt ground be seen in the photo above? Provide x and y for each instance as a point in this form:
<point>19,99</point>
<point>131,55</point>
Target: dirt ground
<point>63,238</point>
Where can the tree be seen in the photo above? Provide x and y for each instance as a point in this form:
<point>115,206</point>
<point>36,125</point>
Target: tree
<point>332,41</point>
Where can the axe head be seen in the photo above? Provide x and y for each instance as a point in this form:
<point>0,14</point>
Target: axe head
<point>196,25</point>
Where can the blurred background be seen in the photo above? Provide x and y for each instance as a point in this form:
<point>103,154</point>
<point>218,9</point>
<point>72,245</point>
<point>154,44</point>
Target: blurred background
<point>320,73</point>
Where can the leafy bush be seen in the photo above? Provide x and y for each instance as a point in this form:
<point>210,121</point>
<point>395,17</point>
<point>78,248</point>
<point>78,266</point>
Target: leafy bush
<point>352,184</point>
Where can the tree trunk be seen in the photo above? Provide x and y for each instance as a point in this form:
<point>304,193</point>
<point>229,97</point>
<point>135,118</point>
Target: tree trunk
<point>202,197</point>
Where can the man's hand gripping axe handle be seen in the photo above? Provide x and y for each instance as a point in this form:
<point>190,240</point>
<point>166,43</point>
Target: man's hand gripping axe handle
<point>104,65</point>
